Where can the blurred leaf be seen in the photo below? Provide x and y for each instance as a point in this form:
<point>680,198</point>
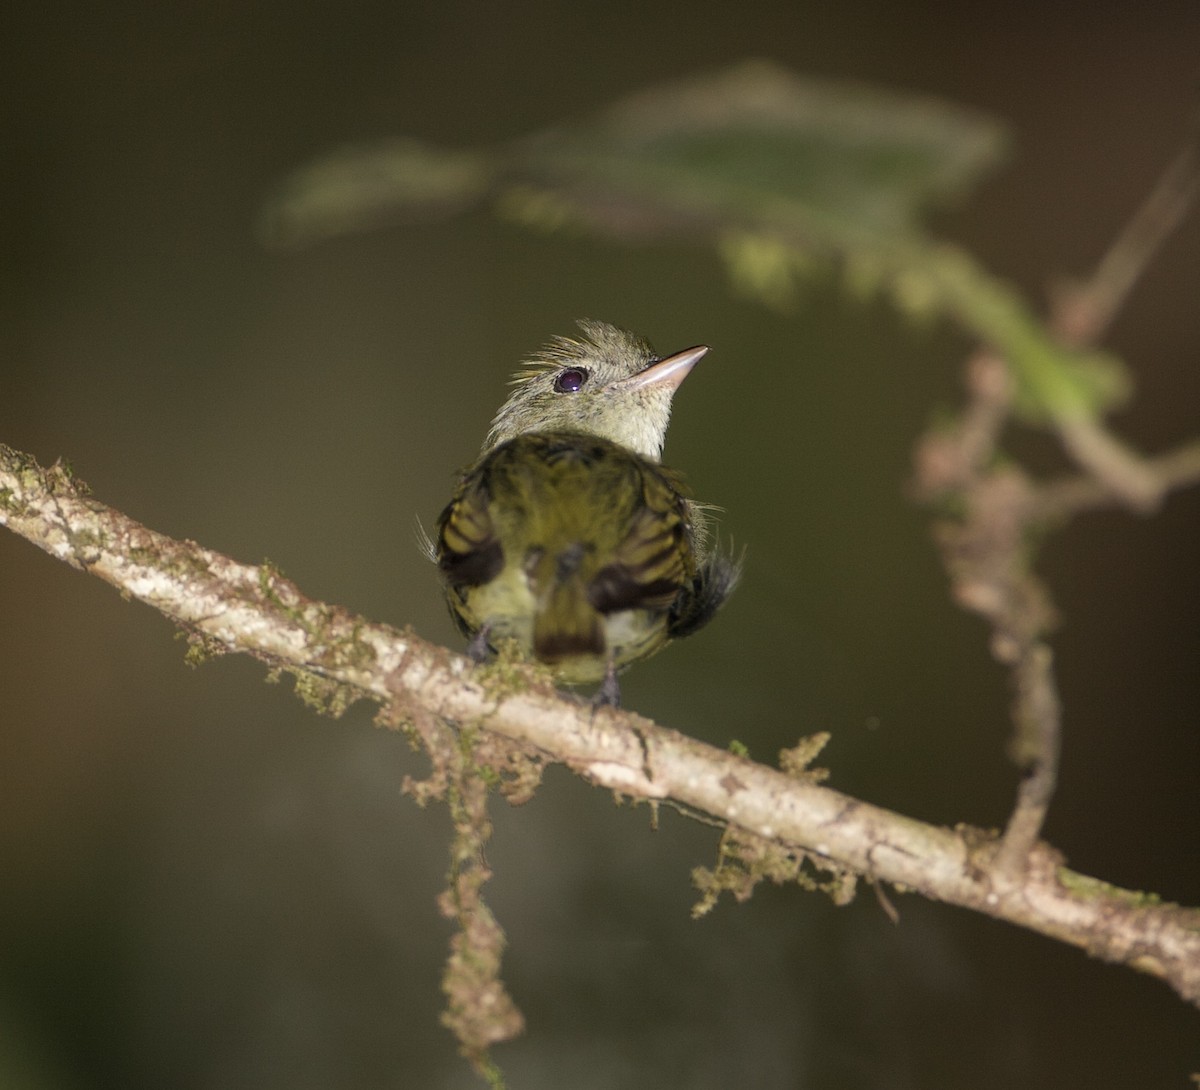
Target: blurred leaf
<point>759,146</point>
<point>784,175</point>
<point>362,187</point>
<point>755,146</point>
<point>1053,380</point>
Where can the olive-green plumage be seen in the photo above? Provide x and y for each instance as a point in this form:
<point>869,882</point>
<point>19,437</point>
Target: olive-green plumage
<point>567,535</point>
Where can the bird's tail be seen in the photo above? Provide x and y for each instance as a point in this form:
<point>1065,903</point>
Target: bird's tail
<point>566,623</point>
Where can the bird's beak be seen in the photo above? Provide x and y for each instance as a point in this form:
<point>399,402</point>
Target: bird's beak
<point>669,372</point>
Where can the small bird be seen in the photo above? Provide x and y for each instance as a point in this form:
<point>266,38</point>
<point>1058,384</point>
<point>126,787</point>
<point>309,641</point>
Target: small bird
<point>567,535</point>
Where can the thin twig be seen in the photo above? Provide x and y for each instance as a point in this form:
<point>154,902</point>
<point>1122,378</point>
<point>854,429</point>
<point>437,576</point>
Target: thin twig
<point>986,549</point>
<point>1039,732</point>
<point>1058,500</point>
<point>948,460</point>
<point>1083,312</point>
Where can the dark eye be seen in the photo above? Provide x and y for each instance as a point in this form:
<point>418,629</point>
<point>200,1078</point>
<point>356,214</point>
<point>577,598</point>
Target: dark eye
<point>570,381</point>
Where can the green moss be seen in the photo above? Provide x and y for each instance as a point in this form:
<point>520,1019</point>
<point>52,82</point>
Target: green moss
<point>795,761</point>
<point>354,651</point>
<point>510,673</point>
<point>1092,888</point>
<point>268,573</point>
<point>324,696</point>
<point>60,479</point>
<point>90,539</point>
<point>201,647</point>
<point>744,859</point>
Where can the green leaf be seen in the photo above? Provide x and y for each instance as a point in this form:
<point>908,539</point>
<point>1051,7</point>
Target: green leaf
<point>788,177</point>
<point>754,147</point>
<point>757,146</point>
<point>364,187</point>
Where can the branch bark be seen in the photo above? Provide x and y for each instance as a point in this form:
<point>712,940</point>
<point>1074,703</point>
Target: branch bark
<point>254,610</point>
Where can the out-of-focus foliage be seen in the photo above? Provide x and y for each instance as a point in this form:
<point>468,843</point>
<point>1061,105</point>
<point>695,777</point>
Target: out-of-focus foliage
<point>789,177</point>
<point>836,165</point>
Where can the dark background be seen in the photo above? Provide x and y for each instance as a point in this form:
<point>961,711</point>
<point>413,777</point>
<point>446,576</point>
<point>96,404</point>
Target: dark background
<point>204,885</point>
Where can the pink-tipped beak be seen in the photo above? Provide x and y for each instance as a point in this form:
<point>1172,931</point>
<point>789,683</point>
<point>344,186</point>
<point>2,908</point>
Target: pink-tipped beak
<point>669,372</point>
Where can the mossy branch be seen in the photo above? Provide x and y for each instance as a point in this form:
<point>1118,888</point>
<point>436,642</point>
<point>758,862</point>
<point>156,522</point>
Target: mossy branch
<point>254,610</point>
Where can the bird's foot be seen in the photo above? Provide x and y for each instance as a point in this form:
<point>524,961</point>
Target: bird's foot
<point>609,693</point>
<point>477,649</point>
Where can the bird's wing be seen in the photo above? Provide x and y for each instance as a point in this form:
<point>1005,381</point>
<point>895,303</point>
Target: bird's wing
<point>468,550</point>
<point>653,562</point>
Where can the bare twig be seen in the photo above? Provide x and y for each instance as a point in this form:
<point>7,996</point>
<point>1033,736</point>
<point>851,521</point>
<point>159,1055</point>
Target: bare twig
<point>256,611</point>
<point>1125,473</point>
<point>1058,500</point>
<point>1083,312</point>
<point>1039,733</point>
<point>986,549</point>
<point>948,460</point>
<point>986,555</point>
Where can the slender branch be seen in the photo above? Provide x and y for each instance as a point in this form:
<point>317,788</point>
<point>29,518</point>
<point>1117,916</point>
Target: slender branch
<point>986,550</point>
<point>253,609</point>
<point>1060,499</point>
<point>986,555</point>
<point>1081,317</point>
<point>1039,729</point>
<point>1083,312</point>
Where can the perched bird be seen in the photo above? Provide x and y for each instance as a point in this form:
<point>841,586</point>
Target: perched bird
<point>567,535</point>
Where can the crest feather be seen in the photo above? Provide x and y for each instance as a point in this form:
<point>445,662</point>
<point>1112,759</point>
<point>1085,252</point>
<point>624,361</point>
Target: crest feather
<point>599,339</point>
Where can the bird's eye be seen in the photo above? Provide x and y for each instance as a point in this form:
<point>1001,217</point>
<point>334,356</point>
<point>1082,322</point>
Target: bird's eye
<point>570,381</point>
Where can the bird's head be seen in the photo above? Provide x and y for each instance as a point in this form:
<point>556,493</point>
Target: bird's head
<point>608,383</point>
